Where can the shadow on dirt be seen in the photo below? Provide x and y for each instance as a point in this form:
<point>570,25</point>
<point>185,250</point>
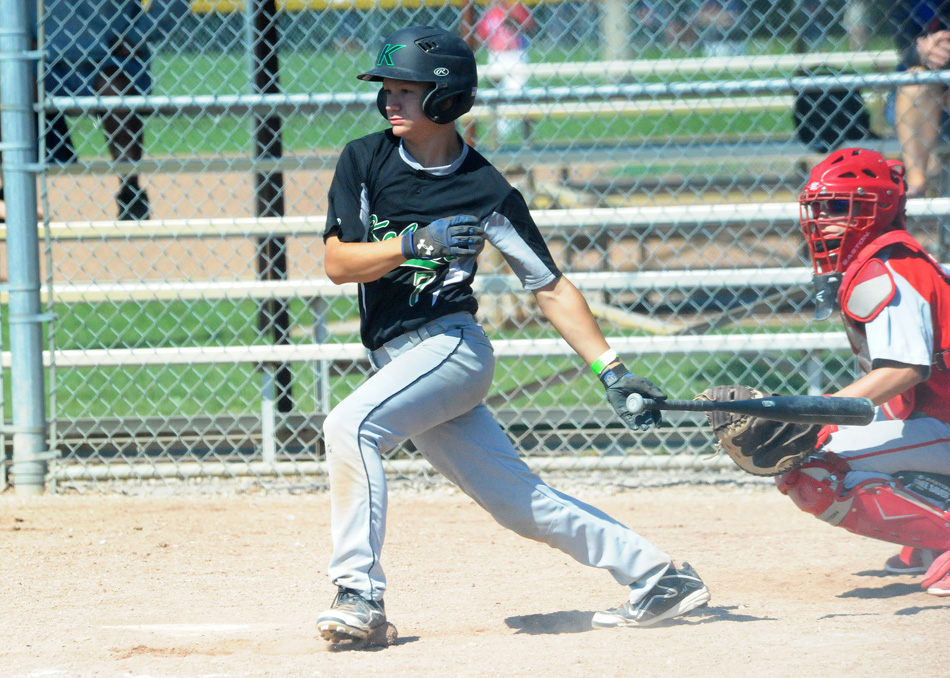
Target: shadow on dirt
<point>369,647</point>
<point>575,621</point>
<point>889,591</point>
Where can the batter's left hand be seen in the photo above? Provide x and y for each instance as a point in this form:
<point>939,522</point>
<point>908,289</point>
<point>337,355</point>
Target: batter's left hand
<point>460,236</point>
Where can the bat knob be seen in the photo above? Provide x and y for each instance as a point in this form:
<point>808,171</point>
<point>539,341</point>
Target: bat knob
<point>635,403</point>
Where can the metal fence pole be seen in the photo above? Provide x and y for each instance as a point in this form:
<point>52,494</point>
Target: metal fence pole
<point>269,186</point>
<point>616,19</point>
<point>25,320</point>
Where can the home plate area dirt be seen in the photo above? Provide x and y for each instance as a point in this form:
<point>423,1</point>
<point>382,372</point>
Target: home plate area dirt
<point>229,583</point>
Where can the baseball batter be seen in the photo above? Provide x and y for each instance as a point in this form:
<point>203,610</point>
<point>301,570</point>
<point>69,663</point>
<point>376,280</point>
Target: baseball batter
<point>891,479</point>
<point>410,208</point>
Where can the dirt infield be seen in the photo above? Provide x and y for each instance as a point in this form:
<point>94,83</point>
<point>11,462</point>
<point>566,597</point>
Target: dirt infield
<point>230,583</point>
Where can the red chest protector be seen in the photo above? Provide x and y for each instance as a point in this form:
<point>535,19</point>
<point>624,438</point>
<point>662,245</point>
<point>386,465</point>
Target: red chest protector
<point>867,287</point>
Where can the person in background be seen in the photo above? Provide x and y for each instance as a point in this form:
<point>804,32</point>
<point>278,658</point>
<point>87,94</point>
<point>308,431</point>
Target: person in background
<point>856,22</point>
<point>719,26</point>
<point>816,20</point>
<point>100,48</point>
<point>650,23</point>
<point>504,29</point>
<point>922,38</point>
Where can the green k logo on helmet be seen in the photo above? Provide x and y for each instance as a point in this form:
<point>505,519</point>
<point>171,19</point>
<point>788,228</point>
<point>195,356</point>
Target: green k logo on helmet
<point>386,55</point>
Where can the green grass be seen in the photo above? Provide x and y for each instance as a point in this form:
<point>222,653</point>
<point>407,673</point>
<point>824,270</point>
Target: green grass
<point>179,323</point>
<point>183,390</point>
<point>322,71</point>
<point>232,135</point>
<point>175,389</point>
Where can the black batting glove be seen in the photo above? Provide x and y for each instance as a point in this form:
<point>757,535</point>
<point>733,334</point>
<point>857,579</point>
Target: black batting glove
<point>620,383</point>
<point>459,236</point>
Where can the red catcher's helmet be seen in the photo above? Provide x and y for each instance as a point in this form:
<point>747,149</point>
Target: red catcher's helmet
<point>853,188</point>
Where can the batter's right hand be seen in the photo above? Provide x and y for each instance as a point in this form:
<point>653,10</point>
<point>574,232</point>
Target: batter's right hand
<point>459,236</point>
<point>620,384</point>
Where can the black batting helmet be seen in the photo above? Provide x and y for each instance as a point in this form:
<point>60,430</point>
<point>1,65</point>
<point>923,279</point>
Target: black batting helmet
<point>432,55</point>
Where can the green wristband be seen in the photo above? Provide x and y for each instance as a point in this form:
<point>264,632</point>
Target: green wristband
<point>601,363</point>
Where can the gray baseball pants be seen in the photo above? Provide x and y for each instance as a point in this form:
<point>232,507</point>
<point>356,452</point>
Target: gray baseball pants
<point>429,387</point>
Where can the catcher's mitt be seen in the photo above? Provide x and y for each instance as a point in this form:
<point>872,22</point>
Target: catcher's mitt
<point>759,446</point>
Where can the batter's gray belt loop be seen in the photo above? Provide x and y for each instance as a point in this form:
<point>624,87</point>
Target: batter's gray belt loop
<point>392,348</point>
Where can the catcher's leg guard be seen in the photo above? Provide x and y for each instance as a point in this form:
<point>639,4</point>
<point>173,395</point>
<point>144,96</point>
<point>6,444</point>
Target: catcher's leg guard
<point>878,507</point>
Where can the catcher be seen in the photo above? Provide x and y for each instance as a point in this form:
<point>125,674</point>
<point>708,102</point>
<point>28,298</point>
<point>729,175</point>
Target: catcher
<point>891,479</point>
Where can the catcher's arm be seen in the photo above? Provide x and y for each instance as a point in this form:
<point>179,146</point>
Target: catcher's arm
<point>762,447</point>
<point>885,382</point>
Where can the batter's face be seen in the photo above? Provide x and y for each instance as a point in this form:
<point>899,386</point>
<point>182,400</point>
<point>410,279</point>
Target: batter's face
<point>404,108</point>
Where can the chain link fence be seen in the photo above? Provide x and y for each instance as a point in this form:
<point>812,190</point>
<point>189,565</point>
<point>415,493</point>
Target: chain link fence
<point>187,152</point>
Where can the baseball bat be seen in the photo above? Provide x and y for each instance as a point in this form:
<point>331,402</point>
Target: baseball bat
<point>793,409</point>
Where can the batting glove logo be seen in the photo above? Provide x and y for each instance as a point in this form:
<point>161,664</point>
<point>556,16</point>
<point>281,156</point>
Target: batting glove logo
<point>424,249</point>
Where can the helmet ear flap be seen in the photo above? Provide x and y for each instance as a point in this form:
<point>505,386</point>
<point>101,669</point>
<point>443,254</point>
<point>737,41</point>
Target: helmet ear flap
<point>432,106</point>
<point>381,102</point>
<point>429,108</point>
<point>444,108</point>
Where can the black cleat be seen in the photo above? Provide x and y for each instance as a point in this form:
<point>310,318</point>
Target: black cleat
<point>351,617</point>
<point>677,592</point>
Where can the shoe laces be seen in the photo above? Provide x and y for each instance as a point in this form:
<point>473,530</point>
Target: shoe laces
<point>351,598</point>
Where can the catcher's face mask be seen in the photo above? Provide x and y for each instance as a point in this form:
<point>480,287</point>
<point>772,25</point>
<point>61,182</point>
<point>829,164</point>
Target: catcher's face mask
<point>851,197</point>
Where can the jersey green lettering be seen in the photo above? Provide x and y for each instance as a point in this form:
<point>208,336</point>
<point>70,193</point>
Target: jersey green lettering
<point>376,225</point>
<point>429,264</point>
<point>420,280</point>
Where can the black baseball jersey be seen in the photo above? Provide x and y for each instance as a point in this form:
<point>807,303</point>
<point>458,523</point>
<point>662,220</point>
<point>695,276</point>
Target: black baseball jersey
<point>378,192</point>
